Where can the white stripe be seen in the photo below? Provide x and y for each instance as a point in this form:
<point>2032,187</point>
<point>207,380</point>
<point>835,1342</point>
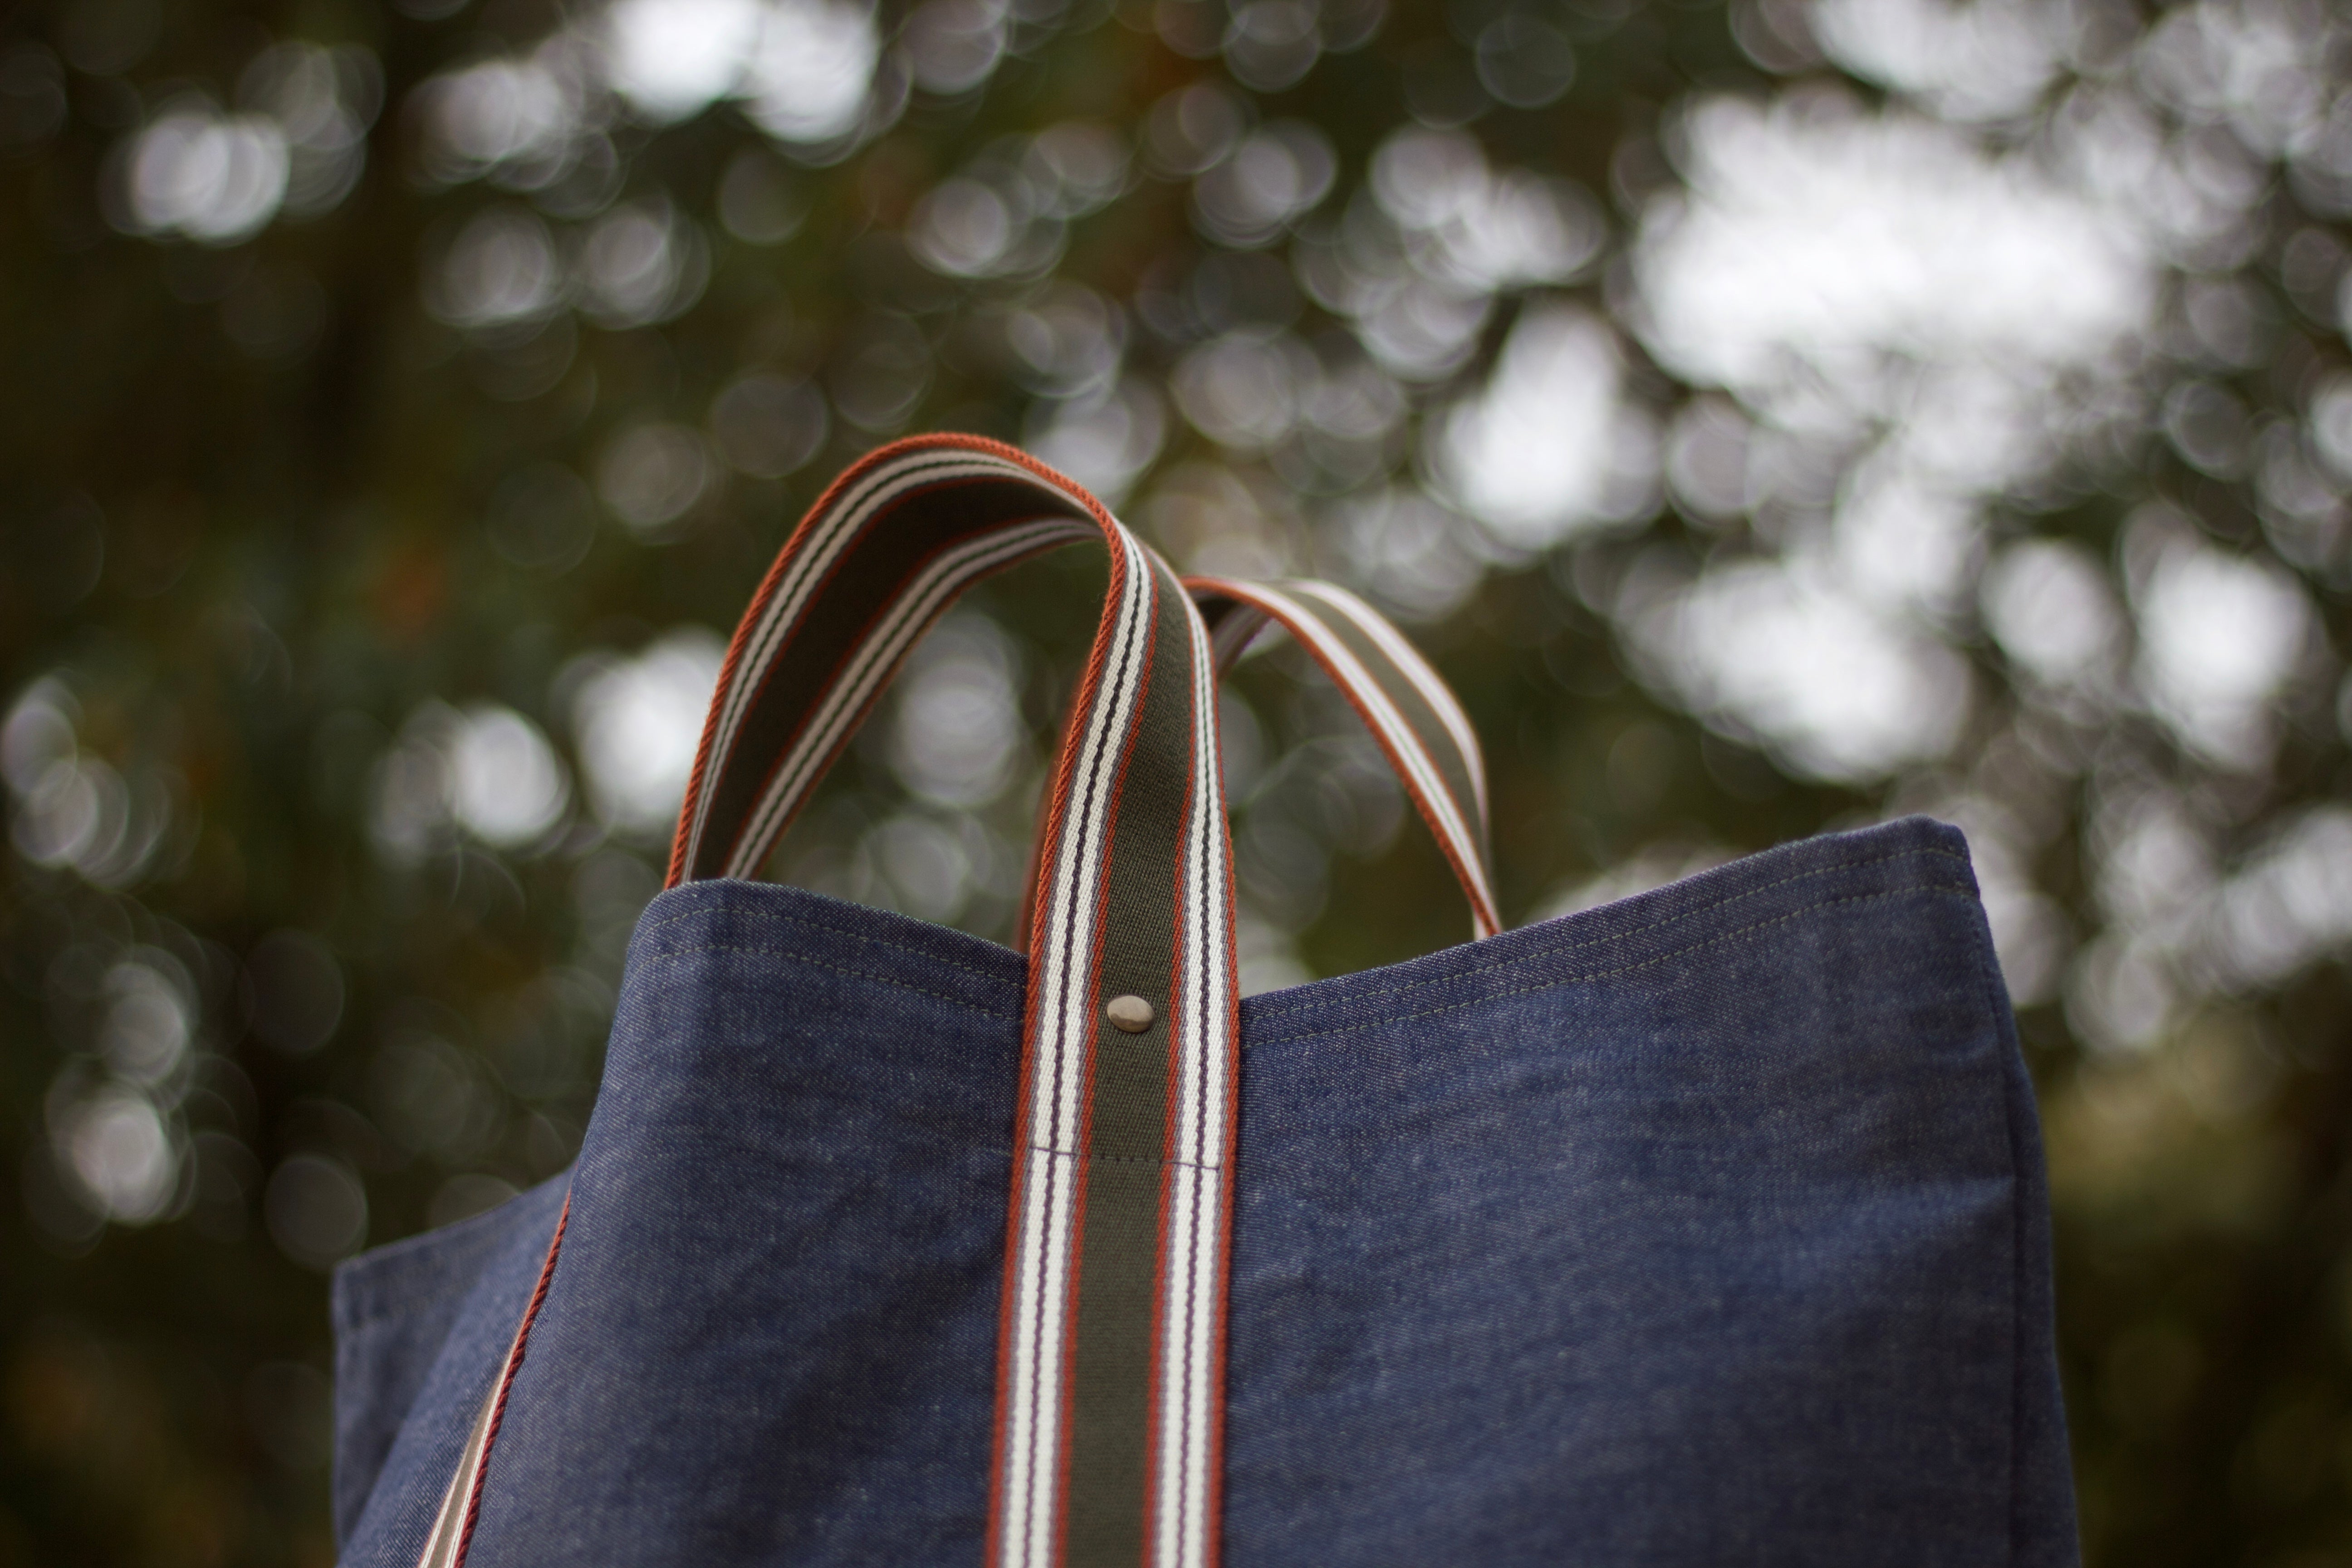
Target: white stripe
<point>448,1532</point>
<point>871,664</point>
<point>1413,758</point>
<point>833,536</point>
<point>1173,1492</point>
<point>1035,1427</point>
<point>835,532</point>
<point>1184,1240</point>
<point>1213,1111</point>
<point>1416,669</point>
<point>1020,1438</point>
<point>1198,1382</point>
<point>1235,631</point>
<point>1208,1051</point>
<point>1243,622</point>
<point>1200,1012</point>
<point>1183,1528</point>
<point>1421,773</point>
<point>441,1541</point>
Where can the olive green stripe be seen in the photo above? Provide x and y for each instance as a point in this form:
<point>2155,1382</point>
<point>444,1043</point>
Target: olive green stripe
<point>1109,1438</point>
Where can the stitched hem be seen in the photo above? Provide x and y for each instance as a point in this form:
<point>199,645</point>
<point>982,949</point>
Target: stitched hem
<point>2001,1020</point>
<point>1124,1158</point>
<point>1612,938</point>
<point>644,931</point>
<point>1392,1019</point>
<point>1273,1010</point>
<point>655,960</point>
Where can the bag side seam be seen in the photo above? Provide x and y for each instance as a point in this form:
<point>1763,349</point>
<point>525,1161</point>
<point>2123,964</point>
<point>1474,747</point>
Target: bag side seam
<point>1990,988</point>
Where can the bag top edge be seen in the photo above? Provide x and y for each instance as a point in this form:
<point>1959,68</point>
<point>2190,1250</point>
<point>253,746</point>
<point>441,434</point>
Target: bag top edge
<point>1890,851</point>
<point>1883,855</point>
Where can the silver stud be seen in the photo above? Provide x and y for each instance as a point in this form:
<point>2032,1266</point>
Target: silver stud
<point>1132,1013</point>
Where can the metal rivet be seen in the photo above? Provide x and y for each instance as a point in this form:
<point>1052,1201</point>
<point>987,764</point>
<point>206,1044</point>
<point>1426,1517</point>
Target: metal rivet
<point>1132,1013</point>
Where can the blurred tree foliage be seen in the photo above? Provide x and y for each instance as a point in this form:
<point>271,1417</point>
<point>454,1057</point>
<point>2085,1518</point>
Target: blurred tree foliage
<point>1771,419</point>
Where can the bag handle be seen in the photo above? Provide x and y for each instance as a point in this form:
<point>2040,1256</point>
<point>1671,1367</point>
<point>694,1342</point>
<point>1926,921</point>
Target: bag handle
<point>1112,1354</point>
<point>1110,1380</point>
<point>1406,704</point>
<point>1110,1369</point>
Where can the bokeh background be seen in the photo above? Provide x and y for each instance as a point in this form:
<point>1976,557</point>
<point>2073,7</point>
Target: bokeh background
<point>1772,417</point>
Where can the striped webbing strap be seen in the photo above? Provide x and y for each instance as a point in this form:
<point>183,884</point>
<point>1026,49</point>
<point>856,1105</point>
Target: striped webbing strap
<point>1111,1364</point>
<point>1110,1347</point>
<point>1111,1339</point>
<point>1406,705</point>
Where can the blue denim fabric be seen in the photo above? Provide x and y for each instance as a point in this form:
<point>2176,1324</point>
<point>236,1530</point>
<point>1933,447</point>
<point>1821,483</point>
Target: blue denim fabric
<point>1708,1227</point>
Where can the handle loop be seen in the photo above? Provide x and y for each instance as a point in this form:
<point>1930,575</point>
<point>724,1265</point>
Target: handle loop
<point>1407,706</point>
<point>1111,1360</point>
<point>1110,1380</point>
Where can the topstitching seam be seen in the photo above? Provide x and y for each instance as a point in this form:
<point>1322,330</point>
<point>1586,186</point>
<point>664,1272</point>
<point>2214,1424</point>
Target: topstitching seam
<point>1277,1010</point>
<point>982,1008</point>
<point>1164,1163</point>
<point>1629,932</point>
<point>827,930</point>
<point>1388,1020</point>
<point>1992,991</point>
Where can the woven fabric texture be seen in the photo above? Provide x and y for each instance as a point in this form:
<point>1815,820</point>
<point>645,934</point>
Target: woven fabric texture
<point>1705,1226</point>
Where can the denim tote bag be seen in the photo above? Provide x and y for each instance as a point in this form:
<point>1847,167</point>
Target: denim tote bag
<point>1708,1227</point>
